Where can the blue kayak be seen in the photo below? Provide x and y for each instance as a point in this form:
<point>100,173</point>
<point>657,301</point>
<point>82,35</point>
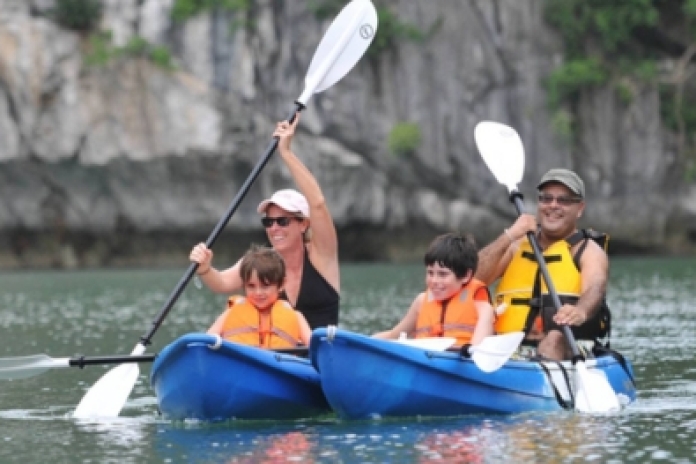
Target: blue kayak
<point>363,378</point>
<point>194,380</point>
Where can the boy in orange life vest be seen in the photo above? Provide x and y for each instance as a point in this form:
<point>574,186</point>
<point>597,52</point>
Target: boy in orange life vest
<point>260,318</point>
<point>454,304</point>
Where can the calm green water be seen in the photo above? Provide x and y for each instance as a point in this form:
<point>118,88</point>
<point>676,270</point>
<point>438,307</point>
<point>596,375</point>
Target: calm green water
<point>105,312</point>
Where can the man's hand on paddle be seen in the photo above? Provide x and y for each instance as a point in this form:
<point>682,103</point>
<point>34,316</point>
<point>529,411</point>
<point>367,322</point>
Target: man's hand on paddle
<point>570,315</point>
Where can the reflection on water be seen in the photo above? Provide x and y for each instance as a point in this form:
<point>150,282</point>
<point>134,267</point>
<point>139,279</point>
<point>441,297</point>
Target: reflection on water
<point>557,437</point>
<point>234,445</point>
<point>106,312</point>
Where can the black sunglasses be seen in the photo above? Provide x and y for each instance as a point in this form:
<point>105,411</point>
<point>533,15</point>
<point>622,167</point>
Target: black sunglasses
<point>563,200</point>
<point>282,221</point>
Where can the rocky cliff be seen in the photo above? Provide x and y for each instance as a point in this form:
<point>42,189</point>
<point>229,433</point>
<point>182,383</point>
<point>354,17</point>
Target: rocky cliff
<point>124,160</point>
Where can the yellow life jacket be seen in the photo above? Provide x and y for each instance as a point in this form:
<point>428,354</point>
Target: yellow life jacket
<point>516,286</point>
<point>455,317</point>
<point>242,325</point>
<point>523,288</point>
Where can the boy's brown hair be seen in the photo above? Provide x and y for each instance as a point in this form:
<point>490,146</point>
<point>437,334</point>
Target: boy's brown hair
<point>267,263</point>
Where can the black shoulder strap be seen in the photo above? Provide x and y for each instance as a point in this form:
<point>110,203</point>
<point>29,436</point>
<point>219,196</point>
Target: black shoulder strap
<point>602,238</point>
<point>583,235</point>
<point>576,237</point>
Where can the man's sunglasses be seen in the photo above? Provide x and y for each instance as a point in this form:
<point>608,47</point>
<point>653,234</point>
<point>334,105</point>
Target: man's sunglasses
<point>563,200</point>
<point>282,221</point>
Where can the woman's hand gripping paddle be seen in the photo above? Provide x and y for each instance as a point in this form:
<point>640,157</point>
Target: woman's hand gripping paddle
<point>502,150</point>
<point>342,46</point>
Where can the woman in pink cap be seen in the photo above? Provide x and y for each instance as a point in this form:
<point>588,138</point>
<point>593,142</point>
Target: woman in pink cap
<point>312,284</point>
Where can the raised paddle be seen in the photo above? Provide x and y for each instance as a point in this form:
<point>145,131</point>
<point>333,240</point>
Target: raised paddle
<point>343,44</point>
<point>502,150</point>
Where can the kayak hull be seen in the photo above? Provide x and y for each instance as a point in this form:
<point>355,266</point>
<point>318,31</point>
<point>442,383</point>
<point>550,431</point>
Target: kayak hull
<point>194,380</point>
<point>363,377</point>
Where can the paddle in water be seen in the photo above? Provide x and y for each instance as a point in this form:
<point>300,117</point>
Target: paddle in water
<point>342,46</point>
<point>23,367</point>
<point>501,148</point>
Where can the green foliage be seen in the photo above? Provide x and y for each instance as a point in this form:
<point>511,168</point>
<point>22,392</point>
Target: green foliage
<point>78,15</point>
<point>599,46</point>
<point>610,23</point>
<point>677,112</point>
<point>625,91</point>
<point>404,138</point>
<point>185,9</point>
<point>325,9</point>
<point>161,57</point>
<point>608,42</point>
<point>690,8</point>
<point>101,51</point>
<point>391,30</point>
<point>562,124</point>
<point>136,46</point>
<point>645,70</point>
<point>568,80</point>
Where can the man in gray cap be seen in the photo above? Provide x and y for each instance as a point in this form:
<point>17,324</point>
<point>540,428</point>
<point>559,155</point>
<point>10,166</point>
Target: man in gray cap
<point>565,177</point>
<point>577,263</point>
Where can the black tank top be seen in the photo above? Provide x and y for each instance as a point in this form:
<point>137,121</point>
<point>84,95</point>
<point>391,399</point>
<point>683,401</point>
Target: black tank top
<point>317,300</point>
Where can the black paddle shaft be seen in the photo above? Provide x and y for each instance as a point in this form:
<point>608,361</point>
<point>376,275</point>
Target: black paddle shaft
<point>82,361</point>
<point>236,201</point>
<point>516,199</point>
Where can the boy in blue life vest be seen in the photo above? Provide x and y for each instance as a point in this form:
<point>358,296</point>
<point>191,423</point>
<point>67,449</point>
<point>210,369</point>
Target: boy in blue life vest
<point>260,318</point>
<point>454,303</point>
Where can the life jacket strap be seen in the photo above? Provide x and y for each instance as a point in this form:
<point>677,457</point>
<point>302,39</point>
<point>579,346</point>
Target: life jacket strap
<point>285,336</point>
<point>239,331</point>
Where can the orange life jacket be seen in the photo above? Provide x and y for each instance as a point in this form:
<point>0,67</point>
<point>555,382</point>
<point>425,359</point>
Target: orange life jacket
<point>455,317</point>
<point>242,325</point>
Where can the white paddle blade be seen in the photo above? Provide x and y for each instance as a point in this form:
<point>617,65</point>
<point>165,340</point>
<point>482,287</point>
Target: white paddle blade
<point>28,366</point>
<point>108,396</point>
<point>430,344</point>
<point>495,350</point>
<point>502,150</point>
<point>342,46</point>
<point>593,393</point>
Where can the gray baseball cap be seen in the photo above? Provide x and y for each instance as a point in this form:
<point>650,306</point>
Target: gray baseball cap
<point>565,177</point>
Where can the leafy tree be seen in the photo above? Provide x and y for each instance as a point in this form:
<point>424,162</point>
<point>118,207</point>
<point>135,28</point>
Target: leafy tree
<point>626,42</point>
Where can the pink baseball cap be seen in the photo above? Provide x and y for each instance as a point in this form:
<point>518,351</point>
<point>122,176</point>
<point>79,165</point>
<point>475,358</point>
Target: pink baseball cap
<point>290,200</point>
